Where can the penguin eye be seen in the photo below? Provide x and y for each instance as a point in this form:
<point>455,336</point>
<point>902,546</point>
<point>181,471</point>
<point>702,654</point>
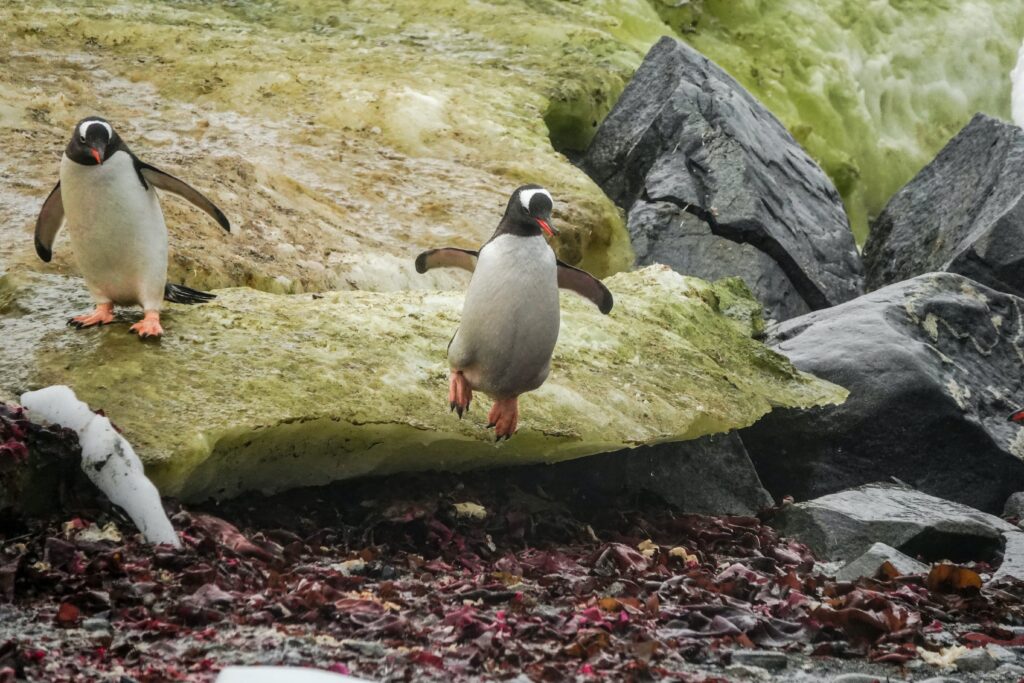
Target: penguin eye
<point>81,138</point>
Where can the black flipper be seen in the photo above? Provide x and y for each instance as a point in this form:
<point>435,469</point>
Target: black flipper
<point>51,217</point>
<point>447,257</point>
<point>586,285</point>
<point>165,181</point>
<point>180,294</point>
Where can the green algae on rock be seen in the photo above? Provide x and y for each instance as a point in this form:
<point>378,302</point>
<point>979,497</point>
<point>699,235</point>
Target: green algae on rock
<point>265,391</point>
<point>336,136</point>
<point>872,90</point>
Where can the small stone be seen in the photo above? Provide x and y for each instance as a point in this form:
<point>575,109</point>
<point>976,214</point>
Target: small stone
<point>856,678</point>
<point>1003,655</point>
<point>1014,506</point>
<point>872,560</point>
<point>766,659</point>
<point>975,661</point>
<point>747,672</point>
<point>96,624</point>
<point>365,647</point>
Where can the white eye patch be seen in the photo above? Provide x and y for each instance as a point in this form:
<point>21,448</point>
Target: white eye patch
<point>526,195</point>
<point>83,129</point>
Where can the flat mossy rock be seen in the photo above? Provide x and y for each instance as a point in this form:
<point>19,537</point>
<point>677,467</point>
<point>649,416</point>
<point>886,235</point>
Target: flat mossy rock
<point>336,136</point>
<point>265,391</point>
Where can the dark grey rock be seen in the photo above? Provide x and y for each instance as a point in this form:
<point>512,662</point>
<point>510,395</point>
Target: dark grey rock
<point>933,366</point>
<point>711,475</point>
<point>686,133</point>
<point>844,525</point>
<point>963,213</point>
<point>1013,557</point>
<point>1014,506</point>
<point>765,659</point>
<point>872,560</point>
<point>661,232</point>
<point>976,661</point>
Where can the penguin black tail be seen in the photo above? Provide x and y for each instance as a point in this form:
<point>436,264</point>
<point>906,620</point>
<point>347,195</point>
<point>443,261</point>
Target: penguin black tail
<point>180,294</point>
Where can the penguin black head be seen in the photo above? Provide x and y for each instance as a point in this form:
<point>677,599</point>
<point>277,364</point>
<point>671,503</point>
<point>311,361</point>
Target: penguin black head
<point>93,141</point>
<point>529,212</point>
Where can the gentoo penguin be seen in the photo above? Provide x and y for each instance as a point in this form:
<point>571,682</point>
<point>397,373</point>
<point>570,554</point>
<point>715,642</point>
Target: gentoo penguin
<point>107,196</point>
<point>511,314</point>
<point>1017,416</point>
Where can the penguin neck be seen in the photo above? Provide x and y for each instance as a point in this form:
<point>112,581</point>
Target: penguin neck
<point>519,226</point>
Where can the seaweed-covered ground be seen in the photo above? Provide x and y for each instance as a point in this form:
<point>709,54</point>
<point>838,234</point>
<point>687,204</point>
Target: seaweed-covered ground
<point>480,577</point>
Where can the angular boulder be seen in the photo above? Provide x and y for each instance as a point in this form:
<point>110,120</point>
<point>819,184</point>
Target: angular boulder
<point>662,232</point>
<point>933,366</point>
<point>963,213</point>
<point>872,560</point>
<point>264,391</point>
<point>684,133</point>
<point>845,525</point>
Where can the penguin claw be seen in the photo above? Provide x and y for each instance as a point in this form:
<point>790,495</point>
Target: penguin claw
<point>504,417</point>
<point>149,327</point>
<point>460,394</point>
<point>103,314</point>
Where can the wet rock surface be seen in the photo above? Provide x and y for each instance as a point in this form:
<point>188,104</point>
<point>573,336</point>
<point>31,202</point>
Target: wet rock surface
<point>844,525</point>
<point>711,475</point>
<point>933,368</point>
<point>685,133</point>
<point>963,213</point>
<point>662,232</point>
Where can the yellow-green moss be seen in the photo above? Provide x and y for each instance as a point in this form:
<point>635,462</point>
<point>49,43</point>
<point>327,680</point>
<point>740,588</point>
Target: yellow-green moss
<point>325,130</point>
<point>264,391</point>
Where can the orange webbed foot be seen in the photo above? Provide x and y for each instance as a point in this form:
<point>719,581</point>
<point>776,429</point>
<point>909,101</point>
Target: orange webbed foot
<point>102,315</point>
<point>149,326</point>
<point>459,393</point>
<point>504,417</point>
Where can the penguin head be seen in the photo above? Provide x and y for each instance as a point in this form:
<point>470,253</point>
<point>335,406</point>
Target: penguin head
<point>529,212</point>
<point>92,141</point>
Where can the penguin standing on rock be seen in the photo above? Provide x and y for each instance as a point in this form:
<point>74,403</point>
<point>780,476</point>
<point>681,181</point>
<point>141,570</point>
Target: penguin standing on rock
<point>511,314</point>
<point>108,197</point>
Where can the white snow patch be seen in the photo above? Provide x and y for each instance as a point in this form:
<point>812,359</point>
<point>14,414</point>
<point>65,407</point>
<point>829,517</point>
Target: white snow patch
<point>1017,89</point>
<point>107,459</point>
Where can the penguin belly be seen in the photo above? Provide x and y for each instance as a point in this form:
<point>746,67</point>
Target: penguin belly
<point>117,231</point>
<point>510,318</point>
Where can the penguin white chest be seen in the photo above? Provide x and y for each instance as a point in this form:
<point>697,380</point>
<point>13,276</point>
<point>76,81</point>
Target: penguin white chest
<point>117,231</point>
<point>511,317</point>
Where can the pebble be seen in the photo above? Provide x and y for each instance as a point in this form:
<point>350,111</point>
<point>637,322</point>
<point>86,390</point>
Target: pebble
<point>96,624</point>
<point>976,661</point>
<point>1003,655</point>
<point>857,678</point>
<point>747,672</point>
<point>1014,506</point>
<point>773,661</point>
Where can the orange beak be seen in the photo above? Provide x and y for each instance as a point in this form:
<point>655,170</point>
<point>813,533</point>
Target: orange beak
<point>546,227</point>
<point>1018,416</point>
<point>96,155</point>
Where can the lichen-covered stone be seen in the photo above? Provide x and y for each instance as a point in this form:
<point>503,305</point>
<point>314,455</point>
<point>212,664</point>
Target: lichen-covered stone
<point>265,391</point>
